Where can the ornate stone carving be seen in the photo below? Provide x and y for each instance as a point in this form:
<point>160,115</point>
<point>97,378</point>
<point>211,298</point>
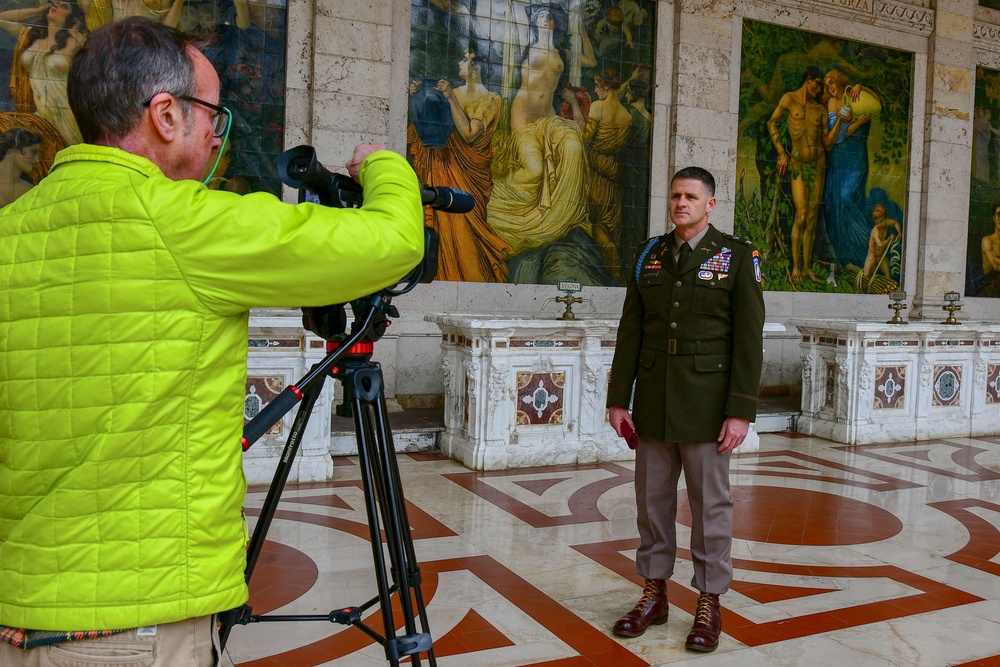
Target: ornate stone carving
<point>499,388</point>
<point>904,16</point>
<point>865,382</point>
<point>448,368</point>
<point>912,17</point>
<point>986,36</point>
<point>807,369</point>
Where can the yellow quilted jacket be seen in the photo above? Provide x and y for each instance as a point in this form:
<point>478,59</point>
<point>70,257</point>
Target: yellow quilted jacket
<point>123,340</point>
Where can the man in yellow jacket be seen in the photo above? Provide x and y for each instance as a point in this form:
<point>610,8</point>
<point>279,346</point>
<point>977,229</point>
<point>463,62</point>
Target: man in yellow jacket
<point>123,338</point>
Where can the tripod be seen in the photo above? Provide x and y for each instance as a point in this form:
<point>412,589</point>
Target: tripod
<point>349,361</point>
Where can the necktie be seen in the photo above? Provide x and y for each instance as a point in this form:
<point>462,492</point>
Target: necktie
<point>682,257</point>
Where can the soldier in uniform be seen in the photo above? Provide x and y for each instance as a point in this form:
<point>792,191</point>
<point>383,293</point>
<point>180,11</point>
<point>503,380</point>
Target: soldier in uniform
<point>690,341</point>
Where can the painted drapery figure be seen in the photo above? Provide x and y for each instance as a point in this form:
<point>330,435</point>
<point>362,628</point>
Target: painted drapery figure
<point>558,197</point>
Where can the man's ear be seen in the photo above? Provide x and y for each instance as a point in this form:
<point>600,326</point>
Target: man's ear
<point>710,205</point>
<point>166,116</point>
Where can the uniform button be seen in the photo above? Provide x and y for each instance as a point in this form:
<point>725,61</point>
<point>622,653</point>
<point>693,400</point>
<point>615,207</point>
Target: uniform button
<point>677,284</point>
<point>677,305</point>
<point>720,366</point>
<point>673,325</point>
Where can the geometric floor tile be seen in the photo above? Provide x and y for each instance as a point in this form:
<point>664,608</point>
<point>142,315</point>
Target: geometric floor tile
<point>871,555</point>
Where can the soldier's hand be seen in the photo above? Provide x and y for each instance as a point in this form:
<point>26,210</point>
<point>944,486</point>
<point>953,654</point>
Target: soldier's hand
<point>617,416</point>
<point>734,431</point>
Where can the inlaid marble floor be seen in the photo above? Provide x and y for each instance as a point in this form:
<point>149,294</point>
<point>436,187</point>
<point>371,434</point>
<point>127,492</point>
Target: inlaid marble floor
<point>850,556</point>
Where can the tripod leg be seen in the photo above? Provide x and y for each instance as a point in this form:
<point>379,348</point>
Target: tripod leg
<point>406,556</point>
<point>267,511</point>
<point>383,494</point>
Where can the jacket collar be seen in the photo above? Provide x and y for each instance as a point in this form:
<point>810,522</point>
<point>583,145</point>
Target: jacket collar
<point>107,154</point>
<point>709,245</point>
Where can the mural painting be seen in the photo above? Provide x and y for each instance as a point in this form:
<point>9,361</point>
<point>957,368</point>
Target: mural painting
<point>982,275</point>
<point>543,112</point>
<point>823,144</point>
<point>244,40</point>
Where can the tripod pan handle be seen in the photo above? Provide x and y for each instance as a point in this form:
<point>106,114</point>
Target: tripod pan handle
<point>270,415</point>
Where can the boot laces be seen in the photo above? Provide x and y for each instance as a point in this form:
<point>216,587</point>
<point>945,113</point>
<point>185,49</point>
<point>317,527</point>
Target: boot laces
<point>648,593</point>
<point>703,612</point>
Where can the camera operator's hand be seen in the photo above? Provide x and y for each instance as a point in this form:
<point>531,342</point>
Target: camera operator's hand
<point>361,151</point>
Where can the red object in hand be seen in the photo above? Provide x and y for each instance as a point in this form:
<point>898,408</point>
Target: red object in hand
<point>630,437</point>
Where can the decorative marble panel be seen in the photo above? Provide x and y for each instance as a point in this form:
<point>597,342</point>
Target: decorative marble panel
<point>292,343</point>
<point>540,398</point>
<point>261,390</point>
<point>947,385</point>
<point>545,343</point>
<point>993,384</point>
<point>890,388</point>
<point>830,386</point>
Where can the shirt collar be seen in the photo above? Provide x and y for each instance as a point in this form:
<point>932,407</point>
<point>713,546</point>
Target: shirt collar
<point>693,242</point>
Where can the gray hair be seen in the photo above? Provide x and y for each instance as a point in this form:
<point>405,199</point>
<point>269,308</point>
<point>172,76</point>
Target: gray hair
<point>122,65</point>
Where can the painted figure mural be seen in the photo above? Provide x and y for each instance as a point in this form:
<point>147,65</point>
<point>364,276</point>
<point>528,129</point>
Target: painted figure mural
<point>982,276</point>
<point>246,44</point>
<point>541,127</point>
<point>822,159</point>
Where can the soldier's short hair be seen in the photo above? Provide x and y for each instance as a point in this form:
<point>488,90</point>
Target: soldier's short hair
<point>697,174</point>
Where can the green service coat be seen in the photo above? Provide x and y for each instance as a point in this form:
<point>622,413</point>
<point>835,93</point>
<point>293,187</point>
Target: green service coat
<point>690,339</point>
<point>123,349</point>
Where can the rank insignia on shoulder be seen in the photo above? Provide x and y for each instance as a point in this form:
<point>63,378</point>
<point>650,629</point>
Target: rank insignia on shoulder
<point>740,239</point>
<point>756,266</point>
<point>706,275</point>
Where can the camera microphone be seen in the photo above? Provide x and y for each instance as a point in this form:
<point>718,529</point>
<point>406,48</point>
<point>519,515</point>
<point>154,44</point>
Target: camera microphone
<point>449,200</point>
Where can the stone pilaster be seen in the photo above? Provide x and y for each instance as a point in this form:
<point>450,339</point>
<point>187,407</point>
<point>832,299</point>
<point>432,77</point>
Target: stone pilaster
<point>705,120</point>
<point>947,156</point>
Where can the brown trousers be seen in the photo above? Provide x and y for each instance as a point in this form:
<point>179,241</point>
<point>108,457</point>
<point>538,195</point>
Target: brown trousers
<point>706,472</point>
<point>190,643</point>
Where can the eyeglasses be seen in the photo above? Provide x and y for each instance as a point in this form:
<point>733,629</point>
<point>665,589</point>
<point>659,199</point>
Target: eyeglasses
<point>220,121</point>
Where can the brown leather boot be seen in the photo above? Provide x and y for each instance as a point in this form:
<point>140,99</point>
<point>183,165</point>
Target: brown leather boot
<point>651,608</point>
<point>704,635</point>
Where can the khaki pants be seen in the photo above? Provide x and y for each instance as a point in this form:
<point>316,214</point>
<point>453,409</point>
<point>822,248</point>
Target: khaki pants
<point>190,643</point>
<point>658,466</point>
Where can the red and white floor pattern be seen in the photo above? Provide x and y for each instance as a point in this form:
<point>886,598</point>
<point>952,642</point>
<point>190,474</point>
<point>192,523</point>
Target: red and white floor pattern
<point>878,555</point>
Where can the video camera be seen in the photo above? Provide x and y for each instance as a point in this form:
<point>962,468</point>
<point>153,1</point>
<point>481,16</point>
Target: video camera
<point>299,168</point>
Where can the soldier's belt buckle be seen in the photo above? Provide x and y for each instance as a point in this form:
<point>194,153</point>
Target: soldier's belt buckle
<point>672,346</point>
